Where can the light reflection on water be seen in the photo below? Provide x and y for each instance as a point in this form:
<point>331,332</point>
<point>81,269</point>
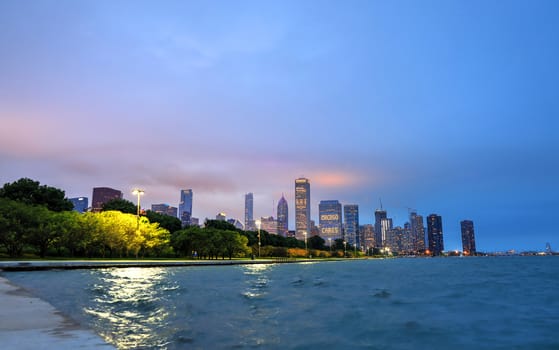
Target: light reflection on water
<point>129,304</point>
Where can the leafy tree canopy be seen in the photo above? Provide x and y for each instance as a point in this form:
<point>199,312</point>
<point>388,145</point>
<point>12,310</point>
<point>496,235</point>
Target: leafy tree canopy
<point>220,225</point>
<point>170,223</point>
<point>31,192</point>
<point>121,205</point>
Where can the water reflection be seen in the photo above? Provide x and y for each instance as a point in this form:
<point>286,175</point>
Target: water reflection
<point>129,303</point>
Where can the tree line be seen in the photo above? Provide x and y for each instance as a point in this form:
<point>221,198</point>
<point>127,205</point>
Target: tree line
<point>38,219</point>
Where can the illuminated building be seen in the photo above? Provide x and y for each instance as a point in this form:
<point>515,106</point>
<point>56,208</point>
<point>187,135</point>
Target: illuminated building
<point>379,215</point>
<point>368,233</point>
<point>80,204</point>
<point>268,224</point>
<point>164,209</point>
<point>249,218</point>
<point>102,195</point>
<point>185,207</point>
<point>330,219</point>
<point>221,216</point>
<point>302,208</point>
<point>468,237</point>
<point>435,234</point>
<point>417,232</point>
<point>283,216</point>
<point>351,225</point>
<point>395,239</point>
<point>385,226</point>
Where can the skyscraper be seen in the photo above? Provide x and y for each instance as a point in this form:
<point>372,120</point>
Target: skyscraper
<point>302,208</point>
<point>468,237</point>
<point>417,232</point>
<point>351,225</point>
<point>185,207</point>
<point>268,224</point>
<point>283,217</point>
<point>368,233</point>
<point>102,195</point>
<point>249,218</point>
<point>330,219</point>
<point>379,215</point>
<point>435,234</point>
<point>80,204</point>
<point>385,226</point>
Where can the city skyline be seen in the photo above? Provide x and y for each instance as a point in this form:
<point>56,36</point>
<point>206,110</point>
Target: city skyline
<point>449,108</point>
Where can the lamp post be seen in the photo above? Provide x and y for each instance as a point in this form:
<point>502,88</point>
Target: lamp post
<point>306,249</point>
<point>139,193</point>
<point>258,223</point>
<point>345,250</point>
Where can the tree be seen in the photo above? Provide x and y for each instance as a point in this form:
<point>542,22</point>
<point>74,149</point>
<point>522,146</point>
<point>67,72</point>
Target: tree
<point>31,192</point>
<point>219,224</point>
<point>316,242</point>
<point>121,205</point>
<point>170,223</point>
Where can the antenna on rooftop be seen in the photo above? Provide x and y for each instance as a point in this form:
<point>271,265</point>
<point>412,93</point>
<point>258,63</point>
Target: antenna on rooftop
<point>380,200</point>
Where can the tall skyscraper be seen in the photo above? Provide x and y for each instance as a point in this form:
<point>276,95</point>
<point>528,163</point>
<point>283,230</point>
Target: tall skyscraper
<point>283,217</point>
<point>368,233</point>
<point>468,237</point>
<point>379,215</point>
<point>435,234</point>
<point>80,204</point>
<point>249,218</point>
<point>351,225</point>
<point>385,226</point>
<point>330,219</point>
<point>185,207</point>
<point>302,208</point>
<point>417,232</point>
<point>102,195</point>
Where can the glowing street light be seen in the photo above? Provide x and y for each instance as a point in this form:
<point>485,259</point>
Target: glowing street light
<point>258,223</point>
<point>345,251</point>
<point>139,193</point>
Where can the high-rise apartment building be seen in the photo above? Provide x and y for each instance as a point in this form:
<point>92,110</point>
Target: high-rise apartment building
<point>435,234</point>
<point>185,207</point>
<point>367,231</point>
<point>80,204</point>
<point>330,219</point>
<point>351,225</point>
<point>164,209</point>
<point>468,237</point>
<point>283,217</point>
<point>379,215</point>
<point>102,195</point>
<point>302,208</point>
<point>417,232</point>
<point>249,207</point>
<point>385,226</point>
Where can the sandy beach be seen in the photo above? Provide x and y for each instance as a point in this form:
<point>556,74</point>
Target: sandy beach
<point>27,322</point>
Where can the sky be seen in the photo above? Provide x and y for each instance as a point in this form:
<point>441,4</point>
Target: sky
<point>446,107</point>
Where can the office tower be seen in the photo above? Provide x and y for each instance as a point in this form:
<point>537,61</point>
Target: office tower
<point>102,195</point>
<point>395,239</point>
<point>380,214</point>
<point>302,208</point>
<point>164,209</point>
<point>435,234</point>
<point>330,220</point>
<point>221,216</point>
<point>468,237</point>
<point>269,224</point>
<point>80,204</point>
<point>385,226</point>
<point>185,207</point>
<point>368,233</point>
<point>249,218</point>
<point>283,217</point>
<point>417,232</point>
<point>315,231</point>
<point>351,225</point>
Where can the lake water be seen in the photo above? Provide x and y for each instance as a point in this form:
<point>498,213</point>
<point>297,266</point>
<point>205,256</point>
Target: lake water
<point>423,303</point>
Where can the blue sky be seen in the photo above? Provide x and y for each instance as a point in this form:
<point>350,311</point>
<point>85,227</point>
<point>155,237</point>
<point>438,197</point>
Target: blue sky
<point>447,107</point>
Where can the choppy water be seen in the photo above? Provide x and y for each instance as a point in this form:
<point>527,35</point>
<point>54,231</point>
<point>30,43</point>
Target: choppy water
<point>452,303</point>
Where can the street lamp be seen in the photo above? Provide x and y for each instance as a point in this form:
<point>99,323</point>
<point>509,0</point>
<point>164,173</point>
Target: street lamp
<point>258,223</point>
<point>345,251</point>
<point>306,249</point>
<point>139,193</point>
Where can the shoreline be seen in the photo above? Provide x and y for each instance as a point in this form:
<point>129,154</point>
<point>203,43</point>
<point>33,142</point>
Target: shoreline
<point>28,322</point>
